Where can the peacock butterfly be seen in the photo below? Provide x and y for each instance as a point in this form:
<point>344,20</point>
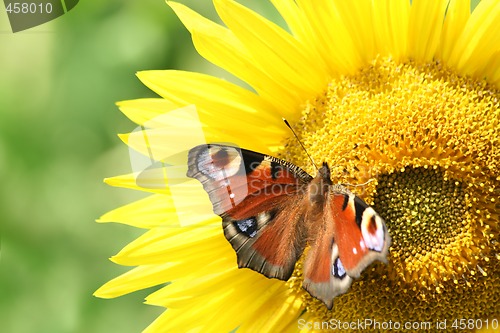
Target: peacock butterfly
<point>271,210</point>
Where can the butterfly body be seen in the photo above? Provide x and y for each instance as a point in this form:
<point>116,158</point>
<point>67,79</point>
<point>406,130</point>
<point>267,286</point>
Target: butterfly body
<point>272,211</point>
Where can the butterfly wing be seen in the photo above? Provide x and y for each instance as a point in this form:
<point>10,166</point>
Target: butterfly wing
<point>360,233</point>
<point>260,202</point>
<point>324,274</point>
<point>352,237</point>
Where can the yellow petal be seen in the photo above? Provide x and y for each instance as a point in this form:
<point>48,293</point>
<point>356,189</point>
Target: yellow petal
<point>202,287</point>
<point>332,37</point>
<point>276,51</point>
<point>276,93</point>
<point>201,263</point>
<point>358,19</point>
<point>172,319</point>
<point>256,292</point>
<point>185,203</point>
<point>216,101</point>
<point>219,46</point>
<point>426,22</point>
<point>391,19</point>
<point>130,181</point>
<point>171,136</point>
<point>294,18</point>
<point>216,96</point>
<point>172,244</point>
<point>159,113</point>
<point>491,71</point>
<point>194,21</point>
<point>214,314</point>
<point>304,32</point>
<point>181,208</point>
<point>282,311</point>
<point>145,110</point>
<point>479,40</point>
<point>150,212</point>
<point>141,277</point>
<point>457,14</point>
<point>157,145</point>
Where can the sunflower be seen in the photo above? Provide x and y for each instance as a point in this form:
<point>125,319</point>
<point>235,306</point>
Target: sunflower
<point>403,93</point>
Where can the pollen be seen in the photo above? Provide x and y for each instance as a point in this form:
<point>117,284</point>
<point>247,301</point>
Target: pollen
<point>429,138</point>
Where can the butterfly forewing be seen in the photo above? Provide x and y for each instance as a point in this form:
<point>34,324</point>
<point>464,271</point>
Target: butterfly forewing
<point>259,200</point>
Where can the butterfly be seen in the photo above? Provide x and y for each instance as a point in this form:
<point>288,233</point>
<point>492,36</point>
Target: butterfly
<point>272,210</point>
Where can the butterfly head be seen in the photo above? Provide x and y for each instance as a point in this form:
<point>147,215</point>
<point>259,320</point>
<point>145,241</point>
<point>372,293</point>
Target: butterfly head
<point>318,188</point>
<point>324,173</point>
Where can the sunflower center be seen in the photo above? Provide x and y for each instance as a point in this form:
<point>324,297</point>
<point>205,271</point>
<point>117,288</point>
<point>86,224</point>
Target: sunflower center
<point>430,224</point>
<point>429,138</point>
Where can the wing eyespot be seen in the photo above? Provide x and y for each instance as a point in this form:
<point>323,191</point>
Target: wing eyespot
<point>338,269</point>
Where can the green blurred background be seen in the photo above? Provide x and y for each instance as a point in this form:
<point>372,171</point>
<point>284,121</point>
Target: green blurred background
<point>58,125</point>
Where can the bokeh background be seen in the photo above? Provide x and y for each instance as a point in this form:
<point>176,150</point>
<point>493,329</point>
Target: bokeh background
<point>58,123</point>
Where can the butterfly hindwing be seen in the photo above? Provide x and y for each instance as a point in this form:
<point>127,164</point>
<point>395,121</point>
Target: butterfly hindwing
<point>270,242</point>
<point>352,236</point>
<point>258,198</point>
<point>324,274</point>
<point>360,233</point>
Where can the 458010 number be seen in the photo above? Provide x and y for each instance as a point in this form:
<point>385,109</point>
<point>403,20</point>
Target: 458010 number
<point>29,8</point>
<point>474,324</point>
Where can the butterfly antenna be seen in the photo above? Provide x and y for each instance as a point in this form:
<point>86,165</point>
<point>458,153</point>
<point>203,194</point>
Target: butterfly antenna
<point>291,129</point>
